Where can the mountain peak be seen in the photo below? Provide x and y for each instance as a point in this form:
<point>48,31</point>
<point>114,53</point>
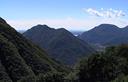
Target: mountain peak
<point>61,29</point>
<point>106,27</point>
<point>5,27</point>
<point>2,20</point>
<point>107,24</point>
<point>126,26</point>
<point>64,31</point>
<point>41,27</point>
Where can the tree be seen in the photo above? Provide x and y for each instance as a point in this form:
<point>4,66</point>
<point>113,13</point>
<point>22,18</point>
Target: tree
<point>51,77</point>
<point>104,66</point>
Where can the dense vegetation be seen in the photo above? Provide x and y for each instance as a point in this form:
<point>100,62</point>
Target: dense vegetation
<point>108,66</point>
<point>21,60</point>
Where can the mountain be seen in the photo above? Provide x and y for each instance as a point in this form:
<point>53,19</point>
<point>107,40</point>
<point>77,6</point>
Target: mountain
<point>106,34</point>
<point>20,59</point>
<point>59,43</point>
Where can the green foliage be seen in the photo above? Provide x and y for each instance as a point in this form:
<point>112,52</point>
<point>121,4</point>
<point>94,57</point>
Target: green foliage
<point>72,77</point>
<point>12,61</point>
<point>3,75</point>
<point>27,79</point>
<point>121,78</point>
<point>51,77</point>
<point>20,59</point>
<point>105,66</point>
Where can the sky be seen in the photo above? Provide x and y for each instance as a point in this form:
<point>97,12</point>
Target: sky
<point>70,14</point>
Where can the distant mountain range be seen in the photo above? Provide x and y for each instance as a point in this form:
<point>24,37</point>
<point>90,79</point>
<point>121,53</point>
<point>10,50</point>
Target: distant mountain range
<point>76,33</point>
<point>59,43</point>
<point>20,59</point>
<point>106,34</point>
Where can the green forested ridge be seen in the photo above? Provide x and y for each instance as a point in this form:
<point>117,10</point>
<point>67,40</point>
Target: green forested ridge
<point>108,66</point>
<point>21,60</point>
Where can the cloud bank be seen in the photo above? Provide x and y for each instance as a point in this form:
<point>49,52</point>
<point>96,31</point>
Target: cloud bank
<point>109,13</point>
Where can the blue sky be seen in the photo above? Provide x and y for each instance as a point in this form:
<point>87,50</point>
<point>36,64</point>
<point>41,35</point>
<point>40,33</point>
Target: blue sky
<point>70,14</point>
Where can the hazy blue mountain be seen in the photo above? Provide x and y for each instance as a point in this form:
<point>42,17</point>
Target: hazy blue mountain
<point>59,43</point>
<point>76,33</point>
<point>21,60</point>
<point>106,34</point>
<point>21,31</point>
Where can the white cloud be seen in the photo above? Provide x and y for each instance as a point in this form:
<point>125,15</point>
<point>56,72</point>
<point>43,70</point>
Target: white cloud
<point>109,13</point>
<point>94,12</point>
